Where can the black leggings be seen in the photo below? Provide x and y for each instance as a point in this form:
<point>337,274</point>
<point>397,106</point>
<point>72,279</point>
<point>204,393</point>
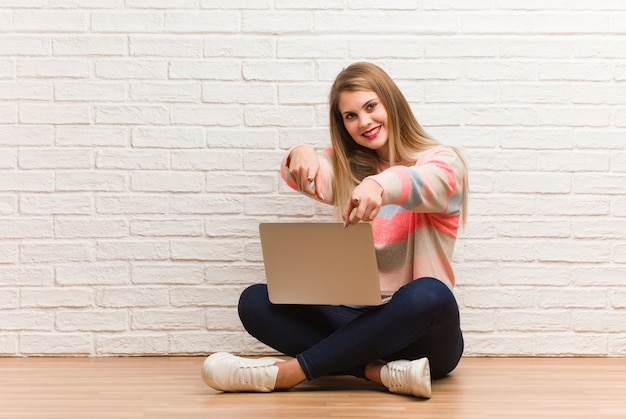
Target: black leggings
<point>420,320</point>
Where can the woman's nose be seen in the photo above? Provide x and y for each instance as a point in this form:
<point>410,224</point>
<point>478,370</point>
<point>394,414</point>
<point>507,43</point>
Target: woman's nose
<point>364,120</point>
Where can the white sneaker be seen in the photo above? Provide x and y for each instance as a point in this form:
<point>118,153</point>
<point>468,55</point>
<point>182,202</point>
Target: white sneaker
<point>226,372</point>
<point>407,377</point>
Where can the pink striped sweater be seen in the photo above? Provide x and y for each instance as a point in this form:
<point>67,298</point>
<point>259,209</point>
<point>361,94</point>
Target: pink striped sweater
<point>416,228</point>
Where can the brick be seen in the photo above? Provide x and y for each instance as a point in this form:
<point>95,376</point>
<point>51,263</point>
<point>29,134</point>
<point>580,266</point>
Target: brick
<point>57,114</point>
<point>32,320</point>
<point>223,319</point>
<point>9,298</point>
<point>314,47</point>
<point>209,115</point>
<point>167,228</point>
<point>131,250</point>
<point>55,159</point>
<point>156,181</point>
<point>248,93</point>
<point>43,68</point>
<point>203,70</point>
<point>82,180</point>
<point>598,321</point>
<point>127,344</point>
<point>206,160</point>
<point>122,297</point>
<point>53,298</point>
<point>276,22</point>
<point>238,45</point>
<point>26,276</point>
<point>282,116</point>
<point>8,204</point>
<point>29,90</point>
<point>597,183</point>
<point>205,296</point>
<point>162,4</point>
<point>168,137</point>
<point>131,114</point>
<point>239,183</point>
<point>31,181</point>
<point>89,91</point>
<point>416,22</point>
<point>206,250</point>
<point>178,273</point>
<point>90,227</point>
<point>8,114</point>
<point>218,21</point>
<point>546,182</point>
<point>70,204</point>
<point>8,160</point>
<point>143,69</point>
<point>165,319</point>
<point>529,321</point>
<point>89,45</point>
<point>583,344</point>
<point>182,47</point>
<point>460,93</point>
<point>50,21</point>
<point>57,252</point>
<point>302,94</point>
<point>27,45</point>
<point>8,344</point>
<point>291,70</point>
<point>88,136</point>
<point>131,204</point>
<point>501,116</point>
<point>25,228</point>
<point>573,251</point>
<point>127,22</point>
<point>176,92</point>
<point>568,161</point>
<point>203,343</point>
<point>230,273</point>
<point>92,320</point>
<point>130,159</point>
<point>573,205</point>
<point>56,344</point>
<point>207,204</point>
<point>258,138</point>
<point>86,4</point>
<point>92,274</point>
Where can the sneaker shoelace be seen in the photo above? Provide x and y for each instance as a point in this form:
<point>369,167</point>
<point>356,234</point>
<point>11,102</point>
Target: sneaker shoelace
<point>249,375</point>
<point>397,377</point>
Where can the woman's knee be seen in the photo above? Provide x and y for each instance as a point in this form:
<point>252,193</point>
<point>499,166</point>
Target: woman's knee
<point>251,300</point>
<point>428,297</point>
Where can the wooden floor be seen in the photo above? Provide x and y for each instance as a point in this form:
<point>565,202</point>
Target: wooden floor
<point>170,387</point>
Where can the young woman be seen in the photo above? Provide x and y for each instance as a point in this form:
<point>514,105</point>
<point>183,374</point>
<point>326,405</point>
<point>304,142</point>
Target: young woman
<point>382,168</point>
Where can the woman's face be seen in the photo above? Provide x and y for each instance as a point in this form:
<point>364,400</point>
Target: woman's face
<point>365,119</point>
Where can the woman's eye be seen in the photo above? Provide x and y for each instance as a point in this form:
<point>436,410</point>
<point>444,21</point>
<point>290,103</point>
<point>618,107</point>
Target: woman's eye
<point>371,106</point>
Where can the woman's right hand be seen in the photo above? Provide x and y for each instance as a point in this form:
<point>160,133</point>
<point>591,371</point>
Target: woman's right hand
<point>304,167</point>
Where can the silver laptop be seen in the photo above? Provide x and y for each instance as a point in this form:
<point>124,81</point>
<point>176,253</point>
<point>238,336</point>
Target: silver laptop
<point>320,263</point>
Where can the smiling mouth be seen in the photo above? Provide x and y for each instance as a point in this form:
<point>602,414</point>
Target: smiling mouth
<point>371,133</point>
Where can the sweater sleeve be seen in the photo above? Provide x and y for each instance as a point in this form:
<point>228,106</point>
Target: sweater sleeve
<point>432,184</point>
<point>326,174</point>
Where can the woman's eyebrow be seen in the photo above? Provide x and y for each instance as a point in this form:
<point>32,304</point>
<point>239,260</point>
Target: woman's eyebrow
<point>362,106</point>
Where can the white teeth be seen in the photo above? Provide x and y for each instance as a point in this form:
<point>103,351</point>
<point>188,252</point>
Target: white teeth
<point>372,132</point>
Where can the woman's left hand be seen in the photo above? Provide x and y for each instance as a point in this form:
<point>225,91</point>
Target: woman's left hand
<point>364,203</point>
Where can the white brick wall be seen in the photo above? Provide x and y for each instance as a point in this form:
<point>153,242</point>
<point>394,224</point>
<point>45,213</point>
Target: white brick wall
<point>139,144</point>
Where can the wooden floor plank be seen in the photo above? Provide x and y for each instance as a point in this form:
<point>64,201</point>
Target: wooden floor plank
<point>171,387</point>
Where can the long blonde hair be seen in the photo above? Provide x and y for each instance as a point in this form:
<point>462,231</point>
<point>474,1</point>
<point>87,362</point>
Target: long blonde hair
<point>352,162</point>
